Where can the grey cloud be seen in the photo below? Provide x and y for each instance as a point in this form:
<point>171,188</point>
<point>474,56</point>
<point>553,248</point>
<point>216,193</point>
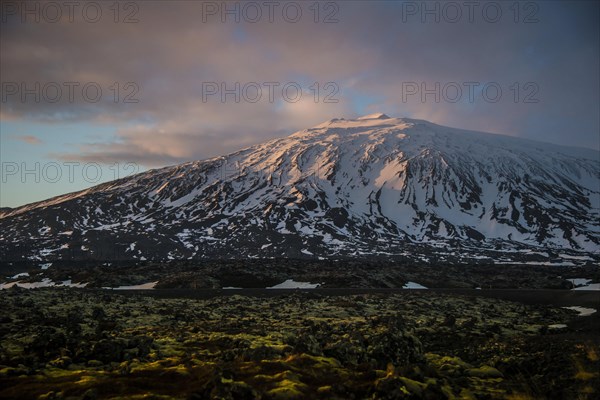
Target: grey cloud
<point>370,53</point>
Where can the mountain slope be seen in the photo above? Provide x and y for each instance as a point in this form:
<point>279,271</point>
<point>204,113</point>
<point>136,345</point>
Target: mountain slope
<point>375,185</point>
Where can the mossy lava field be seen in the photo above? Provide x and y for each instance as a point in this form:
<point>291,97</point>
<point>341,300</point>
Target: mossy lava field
<point>62,343</point>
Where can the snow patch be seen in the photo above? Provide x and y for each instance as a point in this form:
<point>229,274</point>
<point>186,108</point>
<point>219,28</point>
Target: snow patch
<point>592,286</point>
<point>580,281</point>
<point>583,311</point>
<point>413,285</point>
<point>46,282</point>
<point>143,286</point>
<point>292,284</point>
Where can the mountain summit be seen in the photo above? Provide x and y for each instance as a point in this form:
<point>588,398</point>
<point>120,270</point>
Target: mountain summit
<point>374,116</point>
<point>374,186</point>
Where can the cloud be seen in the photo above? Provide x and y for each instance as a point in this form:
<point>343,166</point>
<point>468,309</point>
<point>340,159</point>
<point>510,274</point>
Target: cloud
<point>29,139</point>
<point>198,136</point>
<point>369,55</point>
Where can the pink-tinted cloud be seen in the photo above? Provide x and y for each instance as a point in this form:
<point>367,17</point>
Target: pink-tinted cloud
<point>29,139</point>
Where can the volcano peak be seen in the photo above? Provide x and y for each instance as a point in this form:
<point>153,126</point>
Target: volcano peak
<point>377,115</point>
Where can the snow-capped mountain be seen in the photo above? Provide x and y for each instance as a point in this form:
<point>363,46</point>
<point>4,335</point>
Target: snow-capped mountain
<point>372,186</point>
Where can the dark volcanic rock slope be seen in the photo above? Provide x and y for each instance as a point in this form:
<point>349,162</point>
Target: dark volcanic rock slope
<point>376,185</point>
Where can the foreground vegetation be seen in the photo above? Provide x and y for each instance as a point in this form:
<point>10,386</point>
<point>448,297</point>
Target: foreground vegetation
<point>67,343</point>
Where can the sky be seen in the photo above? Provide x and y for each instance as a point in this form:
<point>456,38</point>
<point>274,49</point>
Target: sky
<point>100,90</point>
